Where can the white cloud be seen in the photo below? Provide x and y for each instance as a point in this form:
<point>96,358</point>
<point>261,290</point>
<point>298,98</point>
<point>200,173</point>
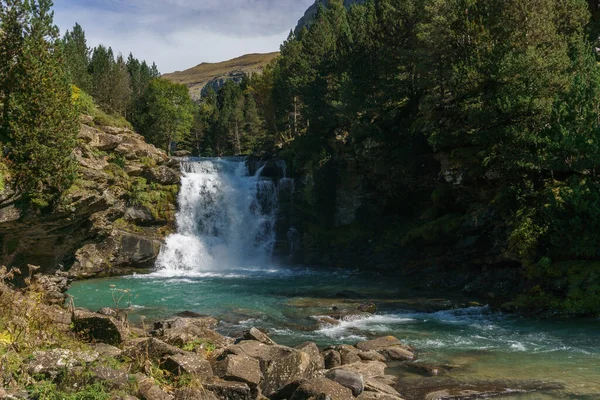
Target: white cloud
<point>179,34</point>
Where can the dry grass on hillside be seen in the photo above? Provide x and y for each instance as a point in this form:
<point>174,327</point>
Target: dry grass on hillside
<point>197,77</point>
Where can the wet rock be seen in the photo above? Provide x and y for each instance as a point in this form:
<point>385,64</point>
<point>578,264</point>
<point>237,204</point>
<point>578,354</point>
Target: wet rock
<point>366,369</point>
<point>376,385</point>
<point>367,307</point>
<point>227,390</point>
<point>349,379</point>
<point>321,388</point>
<point>239,369</point>
<point>379,343</point>
<point>332,359</point>
<point>451,389</point>
<point>397,353</point>
<point>52,362</point>
<point>326,320</point>
<point>136,250</point>
<point>390,380</point>
<point>182,153</point>
<point>377,396</point>
<point>255,334</point>
<point>371,356</point>
<point>192,314</point>
<point>151,348</point>
<point>189,363</point>
<point>99,328</point>
<point>427,369</point>
<point>389,347</point>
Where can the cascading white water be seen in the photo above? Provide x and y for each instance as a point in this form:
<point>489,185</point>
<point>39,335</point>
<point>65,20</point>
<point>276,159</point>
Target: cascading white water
<point>226,219</point>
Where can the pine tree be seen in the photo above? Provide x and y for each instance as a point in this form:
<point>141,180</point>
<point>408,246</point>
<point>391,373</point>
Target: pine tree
<point>121,91</point>
<point>254,130</point>
<point>77,55</point>
<point>39,119</point>
<point>101,69</point>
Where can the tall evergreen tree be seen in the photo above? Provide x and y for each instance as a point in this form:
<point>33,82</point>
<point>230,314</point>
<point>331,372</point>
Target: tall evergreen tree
<point>38,119</point>
<point>77,55</point>
<point>101,69</point>
<point>121,91</point>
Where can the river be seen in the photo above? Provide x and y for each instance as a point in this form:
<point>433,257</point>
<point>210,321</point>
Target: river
<point>219,263</point>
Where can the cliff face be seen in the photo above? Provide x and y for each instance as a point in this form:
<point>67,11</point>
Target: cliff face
<point>110,221</point>
<point>312,11</point>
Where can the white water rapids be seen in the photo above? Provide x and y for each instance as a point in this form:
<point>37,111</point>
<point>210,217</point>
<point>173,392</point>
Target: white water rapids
<point>226,219</point>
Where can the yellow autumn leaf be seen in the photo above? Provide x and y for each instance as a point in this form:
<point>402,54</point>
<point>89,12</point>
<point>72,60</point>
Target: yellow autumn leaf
<point>5,338</point>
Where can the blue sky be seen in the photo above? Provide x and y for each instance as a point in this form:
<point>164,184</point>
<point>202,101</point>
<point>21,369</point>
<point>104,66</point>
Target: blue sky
<point>179,34</point>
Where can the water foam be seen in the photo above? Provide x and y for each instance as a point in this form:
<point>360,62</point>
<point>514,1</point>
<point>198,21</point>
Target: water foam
<point>226,219</point>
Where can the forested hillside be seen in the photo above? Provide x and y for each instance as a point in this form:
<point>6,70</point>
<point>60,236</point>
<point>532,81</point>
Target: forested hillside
<point>464,130</point>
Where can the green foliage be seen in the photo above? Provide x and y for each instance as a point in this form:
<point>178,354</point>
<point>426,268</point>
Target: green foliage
<point>77,56</point>
<point>155,198</point>
<point>46,390</point>
<point>84,103</point>
<point>570,287</point>
<point>168,113</point>
<point>3,176</point>
<point>118,160</point>
<point>435,230</point>
<point>38,120</point>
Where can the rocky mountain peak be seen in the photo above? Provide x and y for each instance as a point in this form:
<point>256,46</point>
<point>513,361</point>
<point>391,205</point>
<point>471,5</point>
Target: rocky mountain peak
<point>309,15</point>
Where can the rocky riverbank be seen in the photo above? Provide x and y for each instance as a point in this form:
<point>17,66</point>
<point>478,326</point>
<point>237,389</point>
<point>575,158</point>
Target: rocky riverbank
<point>110,222</point>
<point>73,353</point>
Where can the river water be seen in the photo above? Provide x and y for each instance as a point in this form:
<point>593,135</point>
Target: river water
<point>219,263</point>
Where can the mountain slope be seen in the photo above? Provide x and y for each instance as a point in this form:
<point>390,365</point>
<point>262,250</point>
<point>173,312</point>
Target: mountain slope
<point>216,74</point>
<point>312,11</point>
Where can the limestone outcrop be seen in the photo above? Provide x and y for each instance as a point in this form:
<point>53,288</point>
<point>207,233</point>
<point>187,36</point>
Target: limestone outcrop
<point>111,221</point>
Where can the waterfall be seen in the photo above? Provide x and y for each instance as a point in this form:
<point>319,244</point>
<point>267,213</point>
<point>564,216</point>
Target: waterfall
<point>226,219</point>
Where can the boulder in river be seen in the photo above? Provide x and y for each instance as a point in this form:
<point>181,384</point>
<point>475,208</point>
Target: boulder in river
<point>378,396</point>
<point>255,334</point>
<point>367,369</point>
<point>389,347</point>
<point>350,379</point>
<point>321,388</point>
